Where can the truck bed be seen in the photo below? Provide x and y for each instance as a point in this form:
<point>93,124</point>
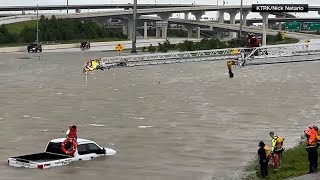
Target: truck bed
<point>41,157</point>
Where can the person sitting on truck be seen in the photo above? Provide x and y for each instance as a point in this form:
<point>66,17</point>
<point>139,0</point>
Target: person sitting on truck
<point>72,132</point>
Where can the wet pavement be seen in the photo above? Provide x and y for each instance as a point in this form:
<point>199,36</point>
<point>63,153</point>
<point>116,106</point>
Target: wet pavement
<point>173,122</point>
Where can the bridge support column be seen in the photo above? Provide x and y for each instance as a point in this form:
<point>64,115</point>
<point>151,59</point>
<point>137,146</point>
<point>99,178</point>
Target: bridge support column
<point>221,20</point>
<point>164,17</point>
<point>189,29</point>
<point>198,32</point>
<point>197,15</point>
<point>244,17</point>
<point>157,32</point>
<point>23,12</point>
<point>221,16</point>
<point>233,21</point>
<point>124,26</point>
<point>130,25</point>
<point>280,23</point>
<point>264,25</point>
<point>186,15</point>
<point>145,30</point>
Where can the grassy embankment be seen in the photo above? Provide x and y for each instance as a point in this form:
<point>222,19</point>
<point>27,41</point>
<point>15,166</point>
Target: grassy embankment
<point>294,163</point>
<point>17,29</point>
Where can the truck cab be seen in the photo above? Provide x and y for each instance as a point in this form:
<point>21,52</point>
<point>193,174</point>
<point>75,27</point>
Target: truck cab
<point>34,47</point>
<point>86,149</point>
<point>53,155</point>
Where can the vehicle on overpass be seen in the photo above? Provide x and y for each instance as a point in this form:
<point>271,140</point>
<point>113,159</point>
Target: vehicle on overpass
<point>55,156</point>
<point>34,47</point>
<point>85,45</point>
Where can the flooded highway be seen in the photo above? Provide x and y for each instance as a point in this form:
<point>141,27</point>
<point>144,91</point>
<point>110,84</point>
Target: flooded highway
<point>175,122</point>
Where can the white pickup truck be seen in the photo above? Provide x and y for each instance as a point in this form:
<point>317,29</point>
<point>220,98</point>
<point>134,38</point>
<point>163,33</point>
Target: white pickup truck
<point>53,156</point>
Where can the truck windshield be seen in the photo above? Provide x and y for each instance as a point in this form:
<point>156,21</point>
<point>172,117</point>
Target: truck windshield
<point>54,148</point>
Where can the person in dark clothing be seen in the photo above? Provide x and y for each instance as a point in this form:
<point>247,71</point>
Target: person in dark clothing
<point>312,147</point>
<point>263,159</point>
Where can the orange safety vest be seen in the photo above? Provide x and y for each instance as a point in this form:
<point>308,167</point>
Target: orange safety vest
<point>312,139</point>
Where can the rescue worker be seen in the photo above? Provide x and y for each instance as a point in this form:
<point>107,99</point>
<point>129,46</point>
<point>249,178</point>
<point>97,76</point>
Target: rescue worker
<point>229,65</point>
<point>312,147</point>
<point>263,153</point>
<point>276,144</point>
<point>93,64</point>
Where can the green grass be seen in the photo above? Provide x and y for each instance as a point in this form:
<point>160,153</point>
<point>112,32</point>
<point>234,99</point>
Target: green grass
<point>16,28</point>
<point>286,41</point>
<point>294,163</point>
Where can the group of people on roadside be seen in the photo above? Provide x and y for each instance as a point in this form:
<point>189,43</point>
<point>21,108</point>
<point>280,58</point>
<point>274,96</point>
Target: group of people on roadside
<point>265,153</point>
<point>276,151</point>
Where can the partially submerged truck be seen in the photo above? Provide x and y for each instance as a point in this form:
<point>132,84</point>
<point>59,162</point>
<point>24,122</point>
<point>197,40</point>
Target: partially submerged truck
<point>54,156</point>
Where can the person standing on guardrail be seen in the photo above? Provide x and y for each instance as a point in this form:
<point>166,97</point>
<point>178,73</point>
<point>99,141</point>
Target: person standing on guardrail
<point>263,153</point>
<point>312,147</point>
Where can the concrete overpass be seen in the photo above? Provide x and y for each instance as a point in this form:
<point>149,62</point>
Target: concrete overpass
<point>170,8</point>
<point>165,13</point>
<point>189,24</point>
<point>273,20</point>
<point>89,6</point>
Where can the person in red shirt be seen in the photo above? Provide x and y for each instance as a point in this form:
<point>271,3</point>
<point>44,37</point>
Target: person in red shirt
<point>72,132</point>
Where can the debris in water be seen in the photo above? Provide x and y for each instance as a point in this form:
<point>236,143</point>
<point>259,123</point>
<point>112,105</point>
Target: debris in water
<point>24,58</point>
<point>97,125</point>
<point>25,116</point>
<point>145,126</point>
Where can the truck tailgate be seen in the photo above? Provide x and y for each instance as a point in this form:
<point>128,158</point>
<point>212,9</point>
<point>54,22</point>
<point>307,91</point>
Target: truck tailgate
<point>40,160</point>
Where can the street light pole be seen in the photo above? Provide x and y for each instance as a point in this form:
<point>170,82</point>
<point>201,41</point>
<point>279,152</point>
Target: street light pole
<point>67,6</point>
<point>134,36</point>
<point>37,24</point>
<point>240,31</point>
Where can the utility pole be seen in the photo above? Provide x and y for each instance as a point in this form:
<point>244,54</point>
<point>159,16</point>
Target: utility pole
<point>37,24</point>
<point>240,31</point>
<point>67,6</point>
<point>134,36</point>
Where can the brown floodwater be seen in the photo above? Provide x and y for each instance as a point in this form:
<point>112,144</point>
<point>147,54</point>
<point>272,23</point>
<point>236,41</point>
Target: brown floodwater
<point>173,122</point>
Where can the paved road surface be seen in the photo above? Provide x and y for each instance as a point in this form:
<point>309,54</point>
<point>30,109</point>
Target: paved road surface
<point>307,177</point>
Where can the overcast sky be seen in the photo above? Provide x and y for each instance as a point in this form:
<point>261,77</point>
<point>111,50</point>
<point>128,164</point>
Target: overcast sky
<point>209,2</point>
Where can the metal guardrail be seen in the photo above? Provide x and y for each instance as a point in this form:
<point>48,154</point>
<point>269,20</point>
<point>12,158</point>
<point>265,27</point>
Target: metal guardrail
<point>242,54</point>
<point>285,50</point>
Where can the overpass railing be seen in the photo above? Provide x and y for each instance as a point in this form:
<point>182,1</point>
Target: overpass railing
<point>242,54</point>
